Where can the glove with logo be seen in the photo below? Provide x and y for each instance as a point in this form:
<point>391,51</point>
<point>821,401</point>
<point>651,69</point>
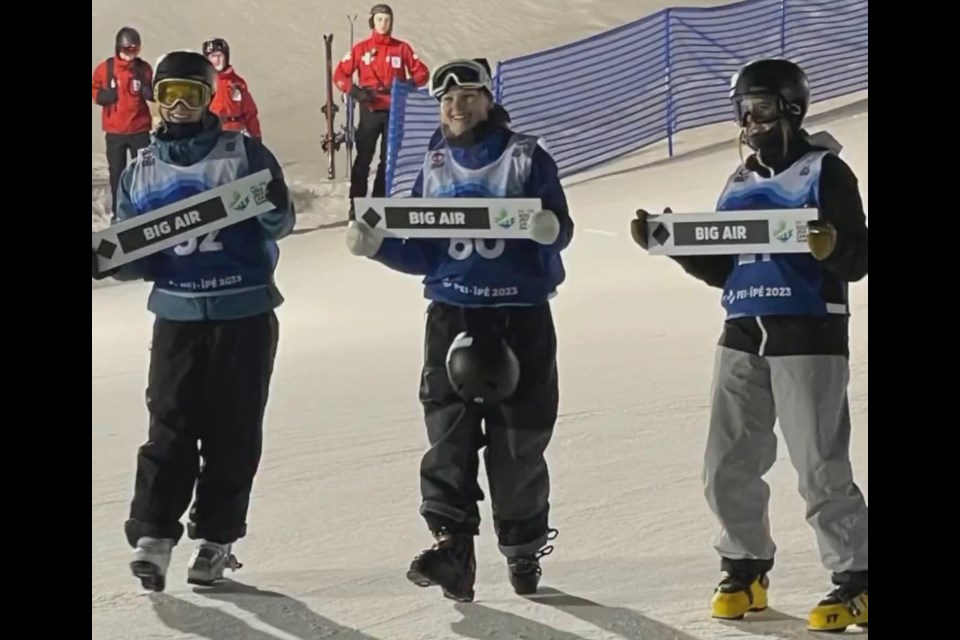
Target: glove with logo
<point>544,227</point>
<point>821,238</point>
<point>361,240</point>
<point>638,227</point>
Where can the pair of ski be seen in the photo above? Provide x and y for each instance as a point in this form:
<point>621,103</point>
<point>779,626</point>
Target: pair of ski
<point>333,139</point>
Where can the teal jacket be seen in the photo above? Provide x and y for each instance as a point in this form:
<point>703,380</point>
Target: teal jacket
<point>247,251</point>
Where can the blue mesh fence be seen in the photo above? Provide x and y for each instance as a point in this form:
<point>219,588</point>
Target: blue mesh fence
<point>609,95</point>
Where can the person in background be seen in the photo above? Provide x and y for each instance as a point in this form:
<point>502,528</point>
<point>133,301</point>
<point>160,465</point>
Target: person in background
<point>377,61</point>
<point>232,102</point>
<point>122,86</point>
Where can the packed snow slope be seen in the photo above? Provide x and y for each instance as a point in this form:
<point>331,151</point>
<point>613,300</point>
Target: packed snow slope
<point>334,517</point>
<point>277,46</point>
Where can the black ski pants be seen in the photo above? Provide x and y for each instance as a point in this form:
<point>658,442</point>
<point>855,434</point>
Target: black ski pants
<point>208,386</point>
<point>120,148</point>
<point>514,439</point>
<point>372,126</point>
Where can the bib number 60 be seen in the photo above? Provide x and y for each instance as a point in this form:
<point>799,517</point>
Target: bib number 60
<point>207,244</point>
<point>750,258</point>
<point>463,248</point>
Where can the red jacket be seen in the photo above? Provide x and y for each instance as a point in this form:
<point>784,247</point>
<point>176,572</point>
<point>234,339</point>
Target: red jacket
<point>133,82</point>
<point>378,60</point>
<point>234,105</point>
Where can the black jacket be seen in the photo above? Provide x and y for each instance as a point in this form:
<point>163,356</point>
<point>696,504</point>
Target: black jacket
<point>840,205</point>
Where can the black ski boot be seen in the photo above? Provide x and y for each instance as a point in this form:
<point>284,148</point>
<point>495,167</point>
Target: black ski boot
<point>524,571</point>
<point>450,564</point>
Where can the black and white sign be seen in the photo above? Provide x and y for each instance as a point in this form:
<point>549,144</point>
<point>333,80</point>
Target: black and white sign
<point>191,217</point>
<point>497,218</point>
<point>729,232</point>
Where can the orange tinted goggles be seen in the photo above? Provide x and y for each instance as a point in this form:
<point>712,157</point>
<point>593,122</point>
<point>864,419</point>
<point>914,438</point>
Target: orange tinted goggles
<point>193,94</point>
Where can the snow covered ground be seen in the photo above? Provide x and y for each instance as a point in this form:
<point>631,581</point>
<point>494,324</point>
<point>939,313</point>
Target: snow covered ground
<point>334,518</point>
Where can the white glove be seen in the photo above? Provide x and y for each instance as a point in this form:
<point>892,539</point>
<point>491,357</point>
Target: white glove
<point>544,227</point>
<point>361,240</point>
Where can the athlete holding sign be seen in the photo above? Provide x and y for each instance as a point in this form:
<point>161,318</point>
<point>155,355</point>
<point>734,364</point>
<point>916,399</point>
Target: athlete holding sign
<point>215,335</point>
<point>490,345</point>
<point>784,354</point>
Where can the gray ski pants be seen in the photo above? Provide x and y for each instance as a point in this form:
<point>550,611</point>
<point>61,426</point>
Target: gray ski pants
<point>808,393</point>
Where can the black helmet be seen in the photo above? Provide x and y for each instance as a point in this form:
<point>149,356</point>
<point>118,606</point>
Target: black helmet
<point>126,37</point>
<point>379,8</point>
<point>186,65</point>
<point>214,45</point>
<point>482,367</point>
<point>776,77</point>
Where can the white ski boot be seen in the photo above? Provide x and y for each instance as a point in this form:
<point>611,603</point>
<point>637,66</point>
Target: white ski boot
<point>150,561</point>
<point>209,561</point>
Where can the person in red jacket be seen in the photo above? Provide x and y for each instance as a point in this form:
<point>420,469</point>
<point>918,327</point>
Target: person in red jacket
<point>232,102</point>
<point>122,86</point>
<point>377,61</point>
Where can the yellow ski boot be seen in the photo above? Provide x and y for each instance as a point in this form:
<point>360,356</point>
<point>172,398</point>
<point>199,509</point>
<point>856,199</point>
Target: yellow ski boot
<point>844,606</point>
<point>735,596</point>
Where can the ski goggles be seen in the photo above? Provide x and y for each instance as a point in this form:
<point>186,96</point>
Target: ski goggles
<point>467,74</point>
<point>761,108</point>
<point>192,94</point>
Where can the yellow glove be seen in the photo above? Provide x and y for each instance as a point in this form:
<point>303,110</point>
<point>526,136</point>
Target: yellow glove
<point>821,238</point>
